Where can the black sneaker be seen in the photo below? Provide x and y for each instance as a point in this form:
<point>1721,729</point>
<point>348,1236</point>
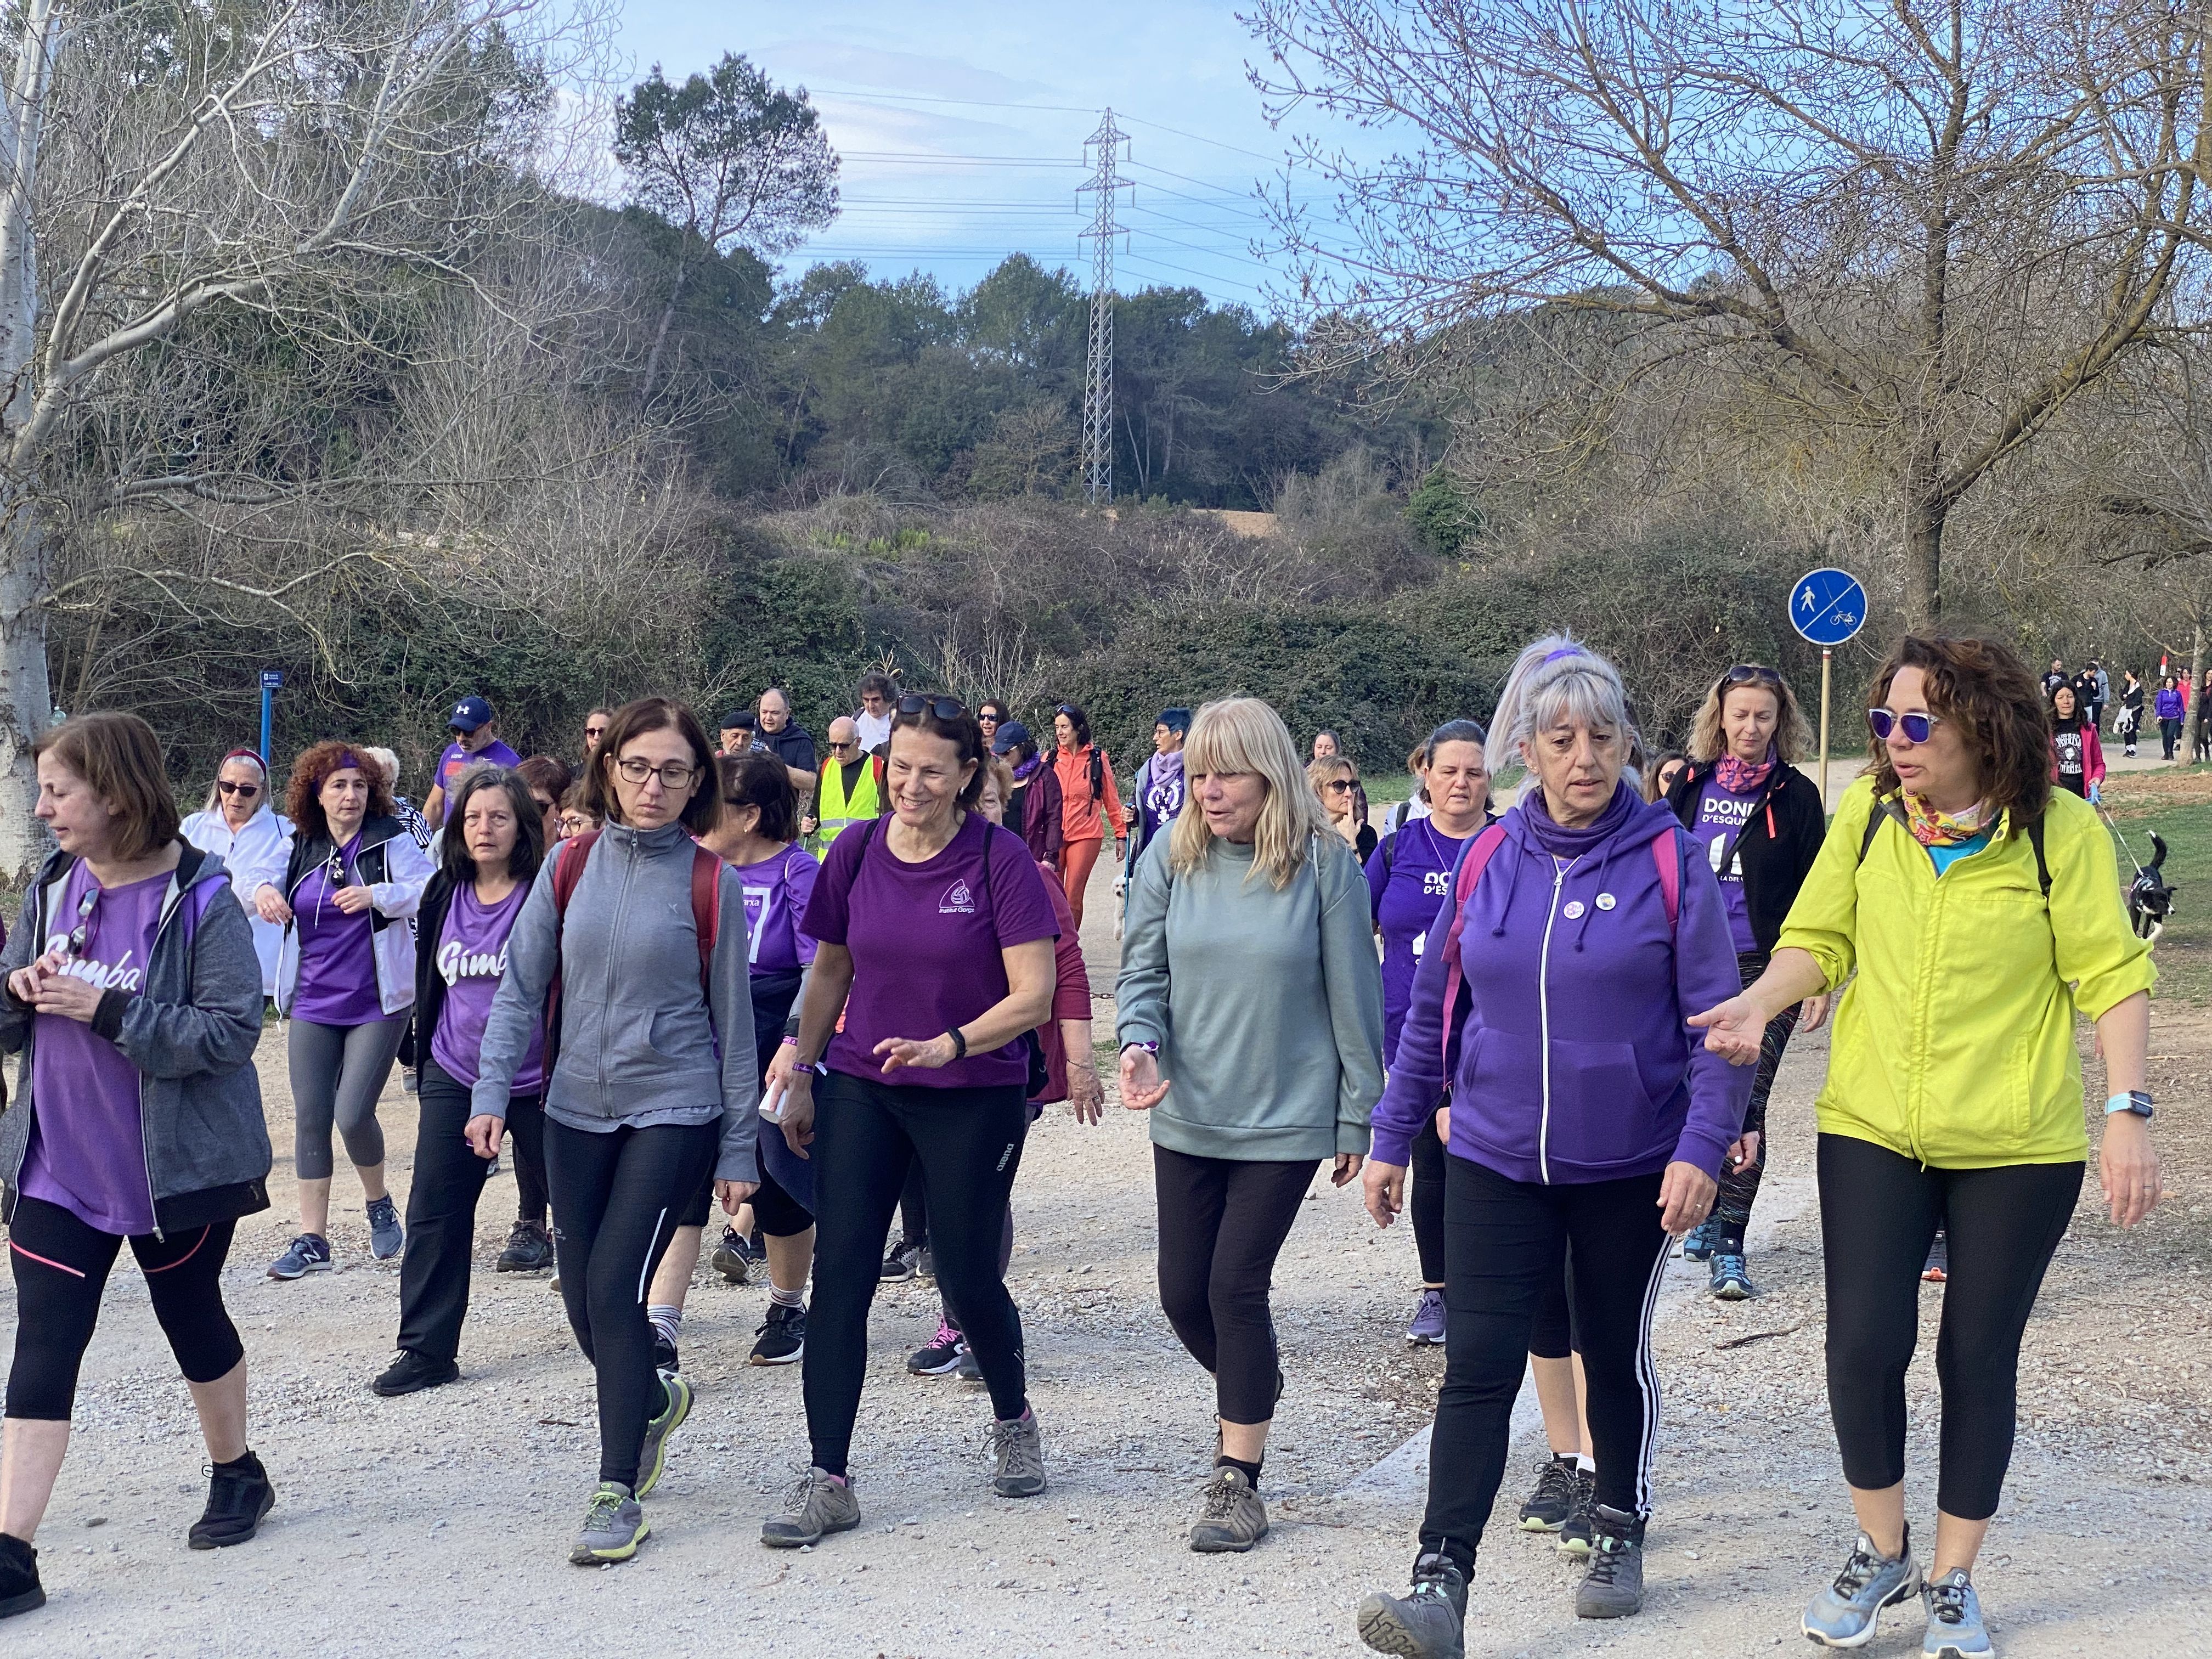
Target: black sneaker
<point>20,1590</point>
<point>1548,1506</point>
<point>1613,1587</point>
<point>412,1373</point>
<point>1430,1624</point>
<point>665,1357</point>
<point>736,1256</point>
<point>529,1248</point>
<point>783,1339</point>
<point>969,1370</point>
<point>940,1354</point>
<point>239,1495</point>
<point>1575,1530</point>
<point>900,1260</point>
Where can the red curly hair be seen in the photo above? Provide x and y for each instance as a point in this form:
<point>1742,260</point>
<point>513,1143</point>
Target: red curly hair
<point>303,792</point>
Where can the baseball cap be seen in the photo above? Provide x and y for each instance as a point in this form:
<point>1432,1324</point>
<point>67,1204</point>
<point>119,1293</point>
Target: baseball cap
<point>469,714</point>
<point>1009,735</point>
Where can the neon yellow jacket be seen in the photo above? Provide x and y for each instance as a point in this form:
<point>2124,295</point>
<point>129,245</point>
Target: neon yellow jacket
<point>1955,1044</point>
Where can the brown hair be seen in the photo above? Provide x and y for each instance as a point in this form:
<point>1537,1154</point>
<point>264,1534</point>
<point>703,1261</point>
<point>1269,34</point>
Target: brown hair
<point>528,824</point>
<point>549,773</point>
<point>119,759</point>
<point>634,721</point>
<point>754,779</point>
<point>303,792</point>
<point>1793,734</point>
<point>574,800</point>
<point>1984,689</point>
<point>961,732</point>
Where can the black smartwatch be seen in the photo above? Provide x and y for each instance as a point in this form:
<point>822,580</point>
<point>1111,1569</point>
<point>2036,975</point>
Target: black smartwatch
<point>2137,1101</point>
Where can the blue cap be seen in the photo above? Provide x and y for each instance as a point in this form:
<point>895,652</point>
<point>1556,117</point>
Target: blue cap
<point>1011,736</point>
<point>469,714</point>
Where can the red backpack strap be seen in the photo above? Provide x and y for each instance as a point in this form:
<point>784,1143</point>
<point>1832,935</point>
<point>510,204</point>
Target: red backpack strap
<point>569,859</point>
<point>706,911</point>
<point>1472,863</point>
<point>1667,856</point>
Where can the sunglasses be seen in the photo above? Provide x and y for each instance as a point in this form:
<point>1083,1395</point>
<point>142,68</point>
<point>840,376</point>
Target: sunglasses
<point>945,708</point>
<point>839,748</point>
<point>249,790</point>
<point>1881,722</point>
<point>1750,673</point>
<point>74,948</point>
<point>1339,786</point>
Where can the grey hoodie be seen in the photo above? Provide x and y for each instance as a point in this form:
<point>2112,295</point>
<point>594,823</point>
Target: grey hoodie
<point>639,1044</point>
<point>190,1031</point>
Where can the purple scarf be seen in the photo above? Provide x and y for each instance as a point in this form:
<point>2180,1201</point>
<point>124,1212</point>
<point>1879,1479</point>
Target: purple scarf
<point>1741,777</point>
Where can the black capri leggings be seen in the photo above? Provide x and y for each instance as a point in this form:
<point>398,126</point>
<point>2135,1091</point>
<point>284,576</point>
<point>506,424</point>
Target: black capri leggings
<point>616,1199</point>
<point>61,1269</point>
<point>1739,1188</point>
<point>1879,1210</point>
<point>1223,1222</point>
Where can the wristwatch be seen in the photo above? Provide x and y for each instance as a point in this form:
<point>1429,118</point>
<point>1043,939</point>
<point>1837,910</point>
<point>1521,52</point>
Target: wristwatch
<point>2135,1100</point>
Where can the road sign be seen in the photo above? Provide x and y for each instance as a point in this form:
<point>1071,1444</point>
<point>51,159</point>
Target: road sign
<point>1827,606</point>
<point>273,679</point>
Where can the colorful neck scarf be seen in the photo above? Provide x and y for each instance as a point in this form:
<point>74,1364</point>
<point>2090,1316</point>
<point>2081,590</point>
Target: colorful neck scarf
<point>1741,777</point>
<point>1932,828</point>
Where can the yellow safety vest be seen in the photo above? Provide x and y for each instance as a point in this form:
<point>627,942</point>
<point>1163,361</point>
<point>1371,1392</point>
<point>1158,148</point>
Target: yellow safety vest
<point>838,812</point>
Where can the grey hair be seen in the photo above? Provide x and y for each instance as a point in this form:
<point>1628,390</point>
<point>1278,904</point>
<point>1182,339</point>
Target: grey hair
<point>1552,677</point>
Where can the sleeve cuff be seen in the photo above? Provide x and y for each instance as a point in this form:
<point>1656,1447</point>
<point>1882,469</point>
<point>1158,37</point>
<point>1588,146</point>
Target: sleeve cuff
<point>1701,1150</point>
<point>1353,1138</point>
<point>1392,1146</point>
<point>107,1018</point>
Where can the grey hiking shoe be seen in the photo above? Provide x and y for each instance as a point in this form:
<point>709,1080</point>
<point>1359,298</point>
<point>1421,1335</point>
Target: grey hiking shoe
<point>1613,1587</point>
<point>614,1526</point>
<point>385,1237</point>
<point>1230,1517</point>
<point>1843,1614</point>
<point>653,1456</point>
<point>1017,1454</point>
<point>817,1503</point>
<point>1429,1624</point>
<point>1955,1630</point>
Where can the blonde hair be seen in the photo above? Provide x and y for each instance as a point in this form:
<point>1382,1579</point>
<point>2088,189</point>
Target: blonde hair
<point>1243,734</point>
<point>389,762</point>
<point>1793,734</point>
<point>1000,775</point>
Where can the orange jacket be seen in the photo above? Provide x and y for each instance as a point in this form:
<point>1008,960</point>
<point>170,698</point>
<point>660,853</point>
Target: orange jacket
<point>1079,815</point>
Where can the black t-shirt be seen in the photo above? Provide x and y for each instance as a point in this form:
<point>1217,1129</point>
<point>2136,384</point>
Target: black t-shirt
<point>2053,681</point>
<point>792,745</point>
<point>2067,740</point>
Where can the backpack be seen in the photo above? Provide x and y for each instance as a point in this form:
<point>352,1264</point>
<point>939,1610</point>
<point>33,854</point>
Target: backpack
<point>1666,853</point>
<point>706,919</point>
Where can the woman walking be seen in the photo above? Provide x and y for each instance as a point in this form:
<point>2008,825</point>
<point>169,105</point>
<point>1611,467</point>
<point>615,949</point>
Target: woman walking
<point>2077,759</point>
<point>1250,1015</point>
<point>1335,783</point>
<point>2169,708</point>
<point>1760,823</point>
<point>1089,804</point>
<point>240,826</point>
<point>934,938</point>
<point>488,854</point>
<point>1406,880</point>
<point>345,980</point>
<point>639,935</point>
<point>133,994</point>
<point>1550,996</point>
<point>1956,865</point>
<point>2129,723</point>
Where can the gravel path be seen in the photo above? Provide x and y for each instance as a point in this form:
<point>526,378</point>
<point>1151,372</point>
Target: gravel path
<point>439,1524</point>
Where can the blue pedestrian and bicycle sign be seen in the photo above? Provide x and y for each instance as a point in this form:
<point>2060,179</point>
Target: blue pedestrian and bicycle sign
<point>1828,606</point>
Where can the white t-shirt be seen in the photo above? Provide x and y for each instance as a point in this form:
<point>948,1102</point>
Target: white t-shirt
<point>875,729</point>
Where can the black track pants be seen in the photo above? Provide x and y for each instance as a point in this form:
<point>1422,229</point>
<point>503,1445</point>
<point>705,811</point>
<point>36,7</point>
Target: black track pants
<point>1425,1201</point>
<point>1740,1188</point>
<point>1879,1210</point>
<point>442,1209</point>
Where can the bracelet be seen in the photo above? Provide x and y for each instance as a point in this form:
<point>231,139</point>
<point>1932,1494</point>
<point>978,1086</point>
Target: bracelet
<point>959,1043</point>
<point>1150,1048</point>
<point>790,1039</point>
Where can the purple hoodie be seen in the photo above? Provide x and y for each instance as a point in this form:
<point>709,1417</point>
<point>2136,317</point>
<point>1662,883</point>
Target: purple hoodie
<point>1574,1061</point>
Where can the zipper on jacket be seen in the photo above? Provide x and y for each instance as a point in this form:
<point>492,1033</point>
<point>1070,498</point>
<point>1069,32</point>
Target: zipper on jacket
<point>1544,1019</point>
<point>621,915</point>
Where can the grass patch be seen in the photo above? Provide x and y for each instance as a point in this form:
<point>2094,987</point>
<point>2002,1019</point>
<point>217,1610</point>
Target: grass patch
<point>2177,804</point>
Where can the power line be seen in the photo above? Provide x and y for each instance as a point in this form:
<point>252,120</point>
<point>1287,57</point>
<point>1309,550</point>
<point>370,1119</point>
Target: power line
<point>1055,109</point>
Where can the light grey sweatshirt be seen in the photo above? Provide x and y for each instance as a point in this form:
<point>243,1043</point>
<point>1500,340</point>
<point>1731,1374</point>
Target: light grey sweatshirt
<point>1267,1003</point>
<point>638,1043</point>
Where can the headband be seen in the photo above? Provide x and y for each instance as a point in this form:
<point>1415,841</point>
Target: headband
<point>1563,651</point>
<point>245,755</point>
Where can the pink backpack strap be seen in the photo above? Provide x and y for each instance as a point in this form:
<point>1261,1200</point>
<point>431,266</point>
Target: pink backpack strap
<point>1669,860</point>
<point>1471,866</point>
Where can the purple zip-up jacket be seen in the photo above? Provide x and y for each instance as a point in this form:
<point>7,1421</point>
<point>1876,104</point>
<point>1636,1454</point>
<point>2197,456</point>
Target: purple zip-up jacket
<point>1575,1063</point>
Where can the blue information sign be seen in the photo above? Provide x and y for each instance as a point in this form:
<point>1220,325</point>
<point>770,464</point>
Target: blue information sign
<point>1827,606</point>
<point>272,678</point>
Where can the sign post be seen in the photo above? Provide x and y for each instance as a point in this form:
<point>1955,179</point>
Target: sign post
<point>1826,607</point>
<point>271,679</point>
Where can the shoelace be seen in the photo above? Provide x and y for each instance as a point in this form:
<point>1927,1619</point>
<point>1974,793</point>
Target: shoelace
<point>608,1502</point>
<point>1607,1554</point>
<point>800,1494</point>
<point>1858,1572</point>
<point>1557,1481</point>
<point>1946,1603</point>
<point>946,1337</point>
<point>1008,1441</point>
<point>1221,1496</point>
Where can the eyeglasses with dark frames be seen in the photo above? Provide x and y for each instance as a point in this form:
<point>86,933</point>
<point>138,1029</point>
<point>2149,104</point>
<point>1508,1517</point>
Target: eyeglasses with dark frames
<point>674,774</point>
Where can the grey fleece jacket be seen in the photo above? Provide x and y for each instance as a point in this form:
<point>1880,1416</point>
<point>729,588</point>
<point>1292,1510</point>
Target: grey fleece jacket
<point>639,1044</point>
<point>190,1031</point>
<point>1267,1003</point>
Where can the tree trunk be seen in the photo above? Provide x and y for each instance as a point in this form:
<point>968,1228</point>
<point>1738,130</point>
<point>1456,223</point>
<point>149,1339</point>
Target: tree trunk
<point>667,317</point>
<point>1924,562</point>
<point>26,696</point>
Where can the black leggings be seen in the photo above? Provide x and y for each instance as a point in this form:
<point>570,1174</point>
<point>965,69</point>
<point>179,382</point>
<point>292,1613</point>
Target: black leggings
<point>1740,1186</point>
<point>442,1208</point>
<point>1879,1210</point>
<point>866,1136</point>
<point>1223,1222</point>
<point>61,1269</point>
<point>615,1198</point>
<point>1503,1242</point>
<point>1426,1200</point>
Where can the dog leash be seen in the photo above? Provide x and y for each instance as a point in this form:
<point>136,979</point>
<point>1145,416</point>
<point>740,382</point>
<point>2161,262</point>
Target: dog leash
<point>2122,838</point>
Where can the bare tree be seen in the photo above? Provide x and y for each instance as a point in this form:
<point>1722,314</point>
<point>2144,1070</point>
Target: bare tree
<point>1915,229</point>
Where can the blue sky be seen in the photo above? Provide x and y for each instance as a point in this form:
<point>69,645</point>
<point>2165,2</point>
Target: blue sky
<point>939,174</point>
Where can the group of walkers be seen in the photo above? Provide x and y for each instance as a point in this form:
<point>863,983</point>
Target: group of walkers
<point>1549,1031</point>
<point>2182,711</point>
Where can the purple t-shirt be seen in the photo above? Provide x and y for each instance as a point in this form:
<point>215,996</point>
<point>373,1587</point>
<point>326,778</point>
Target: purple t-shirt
<point>776,890</point>
<point>472,957</point>
<point>1404,903</point>
<point>88,1151</point>
<point>1721,816</point>
<point>337,951</point>
<point>457,760</point>
<point>925,939</point>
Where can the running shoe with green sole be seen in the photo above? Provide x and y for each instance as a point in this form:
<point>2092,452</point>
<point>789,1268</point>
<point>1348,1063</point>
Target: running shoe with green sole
<point>614,1526</point>
<point>652,1457</point>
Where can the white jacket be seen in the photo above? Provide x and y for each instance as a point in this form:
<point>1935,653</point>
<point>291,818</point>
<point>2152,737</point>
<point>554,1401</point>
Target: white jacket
<point>256,857</point>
